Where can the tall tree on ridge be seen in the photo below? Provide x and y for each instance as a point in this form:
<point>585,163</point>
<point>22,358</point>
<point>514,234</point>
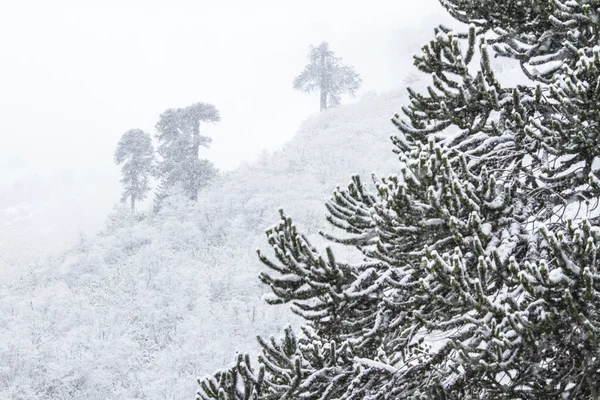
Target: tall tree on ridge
<point>326,73</point>
<point>136,153</point>
<point>179,144</point>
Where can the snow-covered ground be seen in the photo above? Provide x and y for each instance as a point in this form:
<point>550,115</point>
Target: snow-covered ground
<point>141,309</point>
<point>40,216</point>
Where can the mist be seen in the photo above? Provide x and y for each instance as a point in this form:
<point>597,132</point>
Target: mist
<point>311,200</point>
<point>107,296</point>
<point>76,76</point>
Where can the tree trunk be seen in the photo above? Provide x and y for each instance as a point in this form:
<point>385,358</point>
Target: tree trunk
<point>195,154</point>
<point>323,99</point>
<point>321,81</point>
<point>134,186</point>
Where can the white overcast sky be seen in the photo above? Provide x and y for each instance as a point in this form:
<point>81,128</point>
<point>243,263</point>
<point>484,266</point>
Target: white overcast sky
<point>75,75</point>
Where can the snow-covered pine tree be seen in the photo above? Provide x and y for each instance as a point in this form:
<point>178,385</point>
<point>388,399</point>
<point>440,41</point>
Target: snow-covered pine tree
<point>136,155</point>
<point>480,270</point>
<point>326,73</point>
<point>370,309</point>
<point>178,133</point>
<point>556,44</point>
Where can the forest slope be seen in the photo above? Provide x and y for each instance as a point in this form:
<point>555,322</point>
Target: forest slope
<point>150,303</point>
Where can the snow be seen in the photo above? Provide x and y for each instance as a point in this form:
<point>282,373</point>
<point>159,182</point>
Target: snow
<point>142,308</point>
<point>486,228</point>
<point>375,364</point>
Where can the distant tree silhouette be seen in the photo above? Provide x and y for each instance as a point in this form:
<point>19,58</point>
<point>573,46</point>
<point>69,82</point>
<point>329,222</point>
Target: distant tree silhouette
<point>136,155</point>
<point>179,143</point>
<point>326,73</point>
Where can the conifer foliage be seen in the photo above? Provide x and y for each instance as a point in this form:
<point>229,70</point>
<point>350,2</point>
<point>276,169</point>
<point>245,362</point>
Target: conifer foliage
<point>136,155</point>
<point>479,277</point>
<point>178,133</point>
<point>326,74</point>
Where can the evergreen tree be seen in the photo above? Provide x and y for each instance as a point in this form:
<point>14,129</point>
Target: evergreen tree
<point>480,270</point>
<point>136,154</point>
<point>179,144</point>
<point>326,73</point>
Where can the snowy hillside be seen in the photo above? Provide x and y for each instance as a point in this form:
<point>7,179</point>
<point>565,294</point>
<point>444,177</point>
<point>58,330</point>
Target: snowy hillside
<point>40,214</point>
<point>152,302</point>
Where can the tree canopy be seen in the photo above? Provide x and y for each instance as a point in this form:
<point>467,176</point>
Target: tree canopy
<point>178,133</point>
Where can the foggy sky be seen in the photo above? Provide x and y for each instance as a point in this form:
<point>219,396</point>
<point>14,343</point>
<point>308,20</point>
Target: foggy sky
<point>76,75</point>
